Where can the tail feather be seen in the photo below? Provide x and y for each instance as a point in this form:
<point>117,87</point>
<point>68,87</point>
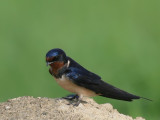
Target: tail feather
<point>110,91</point>
<point>146,98</point>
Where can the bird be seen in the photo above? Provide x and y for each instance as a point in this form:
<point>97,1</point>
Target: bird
<point>73,77</point>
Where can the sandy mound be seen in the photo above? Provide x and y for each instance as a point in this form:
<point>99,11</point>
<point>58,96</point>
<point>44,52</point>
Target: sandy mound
<point>29,108</point>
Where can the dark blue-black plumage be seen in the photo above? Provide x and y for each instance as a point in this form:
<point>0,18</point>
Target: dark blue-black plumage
<point>82,77</point>
<point>79,76</point>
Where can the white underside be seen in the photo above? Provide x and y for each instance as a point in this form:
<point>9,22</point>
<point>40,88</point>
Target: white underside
<point>70,86</point>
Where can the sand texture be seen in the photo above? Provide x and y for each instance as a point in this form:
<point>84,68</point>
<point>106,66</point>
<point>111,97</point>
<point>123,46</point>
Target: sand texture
<point>29,108</point>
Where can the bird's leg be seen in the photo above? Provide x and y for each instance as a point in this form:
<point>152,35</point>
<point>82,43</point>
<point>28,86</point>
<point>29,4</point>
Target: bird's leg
<point>79,100</point>
<point>72,97</point>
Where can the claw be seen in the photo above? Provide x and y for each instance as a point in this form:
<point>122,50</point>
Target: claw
<point>71,97</point>
<point>77,99</point>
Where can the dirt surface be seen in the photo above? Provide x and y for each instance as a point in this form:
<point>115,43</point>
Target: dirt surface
<point>29,108</point>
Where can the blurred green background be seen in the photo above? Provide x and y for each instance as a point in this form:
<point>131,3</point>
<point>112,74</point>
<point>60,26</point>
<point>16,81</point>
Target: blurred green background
<point>119,40</point>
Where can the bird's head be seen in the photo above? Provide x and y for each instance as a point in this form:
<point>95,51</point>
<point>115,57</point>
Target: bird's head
<point>55,55</point>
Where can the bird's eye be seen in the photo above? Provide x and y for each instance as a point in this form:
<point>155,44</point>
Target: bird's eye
<point>55,58</point>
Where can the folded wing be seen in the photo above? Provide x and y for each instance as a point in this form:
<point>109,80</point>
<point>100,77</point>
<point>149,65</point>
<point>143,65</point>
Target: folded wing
<point>93,82</point>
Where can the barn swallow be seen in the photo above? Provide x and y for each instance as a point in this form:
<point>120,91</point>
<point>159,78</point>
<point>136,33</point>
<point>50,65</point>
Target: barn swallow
<point>73,77</point>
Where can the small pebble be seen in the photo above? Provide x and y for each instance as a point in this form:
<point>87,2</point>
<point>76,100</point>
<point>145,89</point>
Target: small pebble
<point>7,107</point>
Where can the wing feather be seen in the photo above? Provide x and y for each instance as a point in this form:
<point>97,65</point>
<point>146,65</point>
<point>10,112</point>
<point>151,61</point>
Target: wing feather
<point>84,78</point>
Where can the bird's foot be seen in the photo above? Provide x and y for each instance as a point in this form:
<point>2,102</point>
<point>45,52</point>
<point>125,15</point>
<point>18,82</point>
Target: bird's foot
<point>71,97</point>
<point>76,103</point>
<point>74,99</point>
